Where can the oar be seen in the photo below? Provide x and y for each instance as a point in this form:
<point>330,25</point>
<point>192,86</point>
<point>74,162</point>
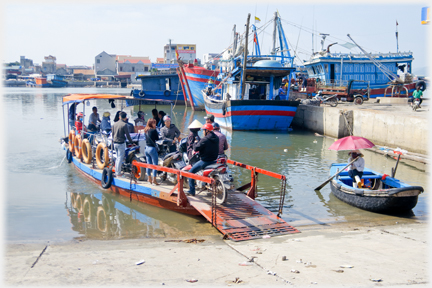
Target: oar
<point>329,179</point>
<point>394,169</point>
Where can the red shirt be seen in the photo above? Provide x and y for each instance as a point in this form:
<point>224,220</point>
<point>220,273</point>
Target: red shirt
<point>78,126</point>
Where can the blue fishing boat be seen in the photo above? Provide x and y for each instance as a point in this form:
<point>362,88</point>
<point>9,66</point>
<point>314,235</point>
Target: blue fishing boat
<point>386,74</point>
<point>165,86</point>
<point>380,192</point>
<point>248,96</point>
<point>56,81</point>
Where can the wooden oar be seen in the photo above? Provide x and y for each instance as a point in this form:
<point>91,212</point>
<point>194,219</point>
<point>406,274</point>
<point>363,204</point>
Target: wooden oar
<point>329,179</point>
<point>394,169</point>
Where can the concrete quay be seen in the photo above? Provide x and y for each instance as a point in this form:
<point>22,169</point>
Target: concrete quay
<point>340,255</point>
<point>390,123</point>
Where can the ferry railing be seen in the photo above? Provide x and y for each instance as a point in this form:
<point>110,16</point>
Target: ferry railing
<point>252,192</point>
<point>181,196</point>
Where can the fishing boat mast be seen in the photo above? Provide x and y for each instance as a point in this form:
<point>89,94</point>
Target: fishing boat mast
<point>242,84</point>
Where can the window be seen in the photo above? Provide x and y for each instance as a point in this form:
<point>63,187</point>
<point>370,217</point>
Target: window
<point>146,69</point>
<point>97,61</point>
<point>133,69</point>
<point>121,68</point>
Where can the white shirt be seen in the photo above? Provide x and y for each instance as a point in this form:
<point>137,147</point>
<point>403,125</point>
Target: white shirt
<point>357,165</point>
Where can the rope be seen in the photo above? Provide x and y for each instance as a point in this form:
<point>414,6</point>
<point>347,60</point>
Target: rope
<point>282,197</point>
<point>347,122</point>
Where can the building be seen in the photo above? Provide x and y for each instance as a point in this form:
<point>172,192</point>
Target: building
<point>25,63</point>
<point>49,65</point>
<point>160,60</point>
<point>105,64</point>
<point>132,64</point>
<point>61,69</point>
<point>187,53</point>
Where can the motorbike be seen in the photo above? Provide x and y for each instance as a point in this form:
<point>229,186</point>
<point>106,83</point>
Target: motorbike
<point>415,104</point>
<point>219,172</point>
<point>171,160</point>
<point>329,100</point>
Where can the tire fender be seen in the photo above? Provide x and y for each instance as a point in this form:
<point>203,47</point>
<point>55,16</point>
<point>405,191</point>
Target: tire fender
<point>421,84</point>
<point>167,93</point>
<point>224,109</point>
<point>107,178</point>
<point>141,93</point>
<point>69,155</point>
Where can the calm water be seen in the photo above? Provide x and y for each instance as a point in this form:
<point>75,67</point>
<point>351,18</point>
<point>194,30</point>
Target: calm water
<point>43,194</point>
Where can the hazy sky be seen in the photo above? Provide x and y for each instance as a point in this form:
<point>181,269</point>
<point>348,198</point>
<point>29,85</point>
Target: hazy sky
<point>76,33</point>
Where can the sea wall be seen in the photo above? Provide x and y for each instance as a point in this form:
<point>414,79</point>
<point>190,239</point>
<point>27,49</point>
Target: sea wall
<point>385,128</point>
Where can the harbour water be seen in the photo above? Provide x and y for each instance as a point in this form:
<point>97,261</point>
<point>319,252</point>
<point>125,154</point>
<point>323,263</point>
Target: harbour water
<point>41,189</point>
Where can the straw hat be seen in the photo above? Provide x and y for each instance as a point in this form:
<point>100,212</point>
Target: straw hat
<point>356,152</point>
<point>106,114</point>
<point>195,125</point>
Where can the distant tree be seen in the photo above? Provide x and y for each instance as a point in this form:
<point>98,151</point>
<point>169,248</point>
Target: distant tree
<point>16,63</point>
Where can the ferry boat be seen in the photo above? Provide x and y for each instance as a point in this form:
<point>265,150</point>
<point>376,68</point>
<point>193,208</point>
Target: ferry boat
<point>56,81</point>
<point>240,217</point>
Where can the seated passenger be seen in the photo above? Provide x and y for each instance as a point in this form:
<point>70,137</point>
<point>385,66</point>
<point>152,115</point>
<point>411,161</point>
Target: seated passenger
<point>356,168</point>
<point>140,121</point>
<point>223,143</point>
<point>106,122</point>
<point>93,120</point>
<point>208,147</point>
<point>193,136</point>
<point>170,131</point>
<point>79,125</point>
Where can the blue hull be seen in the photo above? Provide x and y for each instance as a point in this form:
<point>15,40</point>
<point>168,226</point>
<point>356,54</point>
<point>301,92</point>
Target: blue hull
<point>253,114</point>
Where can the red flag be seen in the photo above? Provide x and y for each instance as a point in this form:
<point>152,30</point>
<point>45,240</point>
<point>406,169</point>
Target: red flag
<point>255,39</point>
<point>176,53</point>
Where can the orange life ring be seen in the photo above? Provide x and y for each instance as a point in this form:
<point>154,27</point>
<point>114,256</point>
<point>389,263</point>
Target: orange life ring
<point>86,151</point>
<point>102,224</point>
<point>102,148</point>
<point>77,146</point>
<point>71,141</point>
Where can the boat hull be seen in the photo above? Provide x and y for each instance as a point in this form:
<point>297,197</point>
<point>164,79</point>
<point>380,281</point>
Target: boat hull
<point>383,204</point>
<point>58,83</point>
<point>384,194</point>
<point>141,193</point>
<point>253,114</point>
<point>198,78</point>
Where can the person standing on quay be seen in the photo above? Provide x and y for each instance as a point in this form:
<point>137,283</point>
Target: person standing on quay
<point>418,94</point>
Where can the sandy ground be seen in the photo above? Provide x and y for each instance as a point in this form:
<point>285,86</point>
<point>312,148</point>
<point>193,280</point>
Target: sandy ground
<point>331,256</point>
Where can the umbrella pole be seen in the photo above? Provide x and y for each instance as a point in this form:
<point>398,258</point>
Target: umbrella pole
<point>329,179</point>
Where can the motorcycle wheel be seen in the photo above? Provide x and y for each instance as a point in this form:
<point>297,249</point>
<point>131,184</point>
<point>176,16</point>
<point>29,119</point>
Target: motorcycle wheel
<point>333,102</point>
<point>163,176</point>
<point>221,193</point>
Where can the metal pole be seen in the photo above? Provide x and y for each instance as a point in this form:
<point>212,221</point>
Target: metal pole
<point>64,128</point>
<point>274,36</point>
<point>245,59</point>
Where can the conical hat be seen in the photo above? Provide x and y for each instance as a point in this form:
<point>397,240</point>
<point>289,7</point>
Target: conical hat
<point>195,125</point>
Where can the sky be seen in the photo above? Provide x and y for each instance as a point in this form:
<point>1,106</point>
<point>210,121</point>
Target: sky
<point>75,33</point>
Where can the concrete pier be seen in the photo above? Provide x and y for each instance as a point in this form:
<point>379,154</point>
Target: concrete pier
<point>387,124</point>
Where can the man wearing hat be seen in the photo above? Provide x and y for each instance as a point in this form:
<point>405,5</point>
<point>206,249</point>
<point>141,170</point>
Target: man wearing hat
<point>106,122</point>
<point>357,167</point>
<point>208,148</point>
<point>170,131</point>
<point>120,132</point>
<point>223,144</point>
<point>209,118</point>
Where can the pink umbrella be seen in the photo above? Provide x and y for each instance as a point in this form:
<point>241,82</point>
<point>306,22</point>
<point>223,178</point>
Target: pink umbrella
<point>351,143</point>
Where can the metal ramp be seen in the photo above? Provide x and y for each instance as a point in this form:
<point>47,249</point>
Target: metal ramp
<point>241,218</point>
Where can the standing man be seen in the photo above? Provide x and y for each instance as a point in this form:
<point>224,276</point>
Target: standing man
<point>93,119</point>
<point>208,148</point>
<point>223,143</point>
<point>119,132</point>
<point>209,118</point>
<point>418,94</point>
